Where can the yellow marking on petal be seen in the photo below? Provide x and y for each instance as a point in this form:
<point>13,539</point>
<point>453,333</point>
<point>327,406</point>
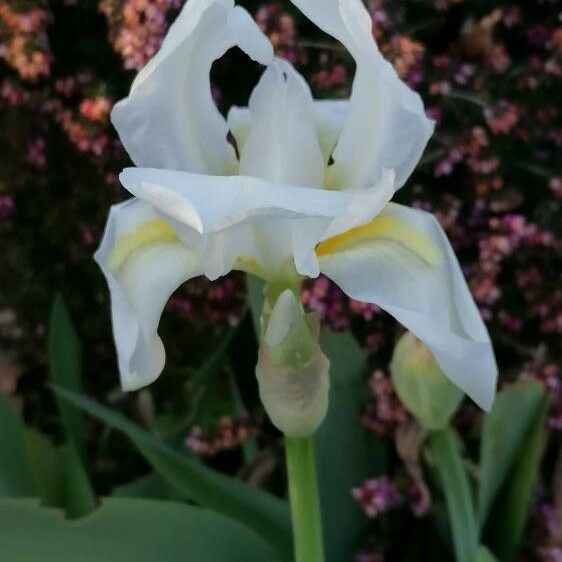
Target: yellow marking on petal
<point>248,265</point>
<point>149,232</point>
<point>384,228</point>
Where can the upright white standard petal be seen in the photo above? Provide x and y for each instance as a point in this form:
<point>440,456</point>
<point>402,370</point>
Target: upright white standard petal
<point>329,117</point>
<point>386,126</point>
<point>281,145</point>
<point>413,274</point>
<point>169,119</point>
<point>143,263</point>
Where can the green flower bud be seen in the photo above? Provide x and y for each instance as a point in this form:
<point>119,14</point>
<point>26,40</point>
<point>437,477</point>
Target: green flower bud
<point>421,385</point>
<point>292,371</point>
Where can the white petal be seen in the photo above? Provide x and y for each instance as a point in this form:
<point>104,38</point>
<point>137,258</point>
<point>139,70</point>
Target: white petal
<point>169,119</point>
<point>433,302</point>
<point>386,126</point>
<point>281,145</point>
<point>329,117</point>
<point>139,291</point>
<point>231,216</point>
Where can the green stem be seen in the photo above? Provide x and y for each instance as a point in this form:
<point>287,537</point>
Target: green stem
<point>458,495</point>
<point>305,504</point>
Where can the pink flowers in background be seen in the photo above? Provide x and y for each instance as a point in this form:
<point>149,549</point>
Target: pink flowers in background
<point>547,532</point>
<point>377,496</point>
<point>502,117</point>
<point>549,374</point>
<point>280,27</point>
<point>137,27</point>
<point>230,433</point>
<point>6,208</point>
<point>96,109</point>
<point>385,412</point>
<point>23,41</point>
<point>36,152</point>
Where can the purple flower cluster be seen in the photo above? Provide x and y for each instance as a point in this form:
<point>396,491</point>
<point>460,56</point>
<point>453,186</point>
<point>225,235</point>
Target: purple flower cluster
<point>377,496</point>
<point>229,433</point>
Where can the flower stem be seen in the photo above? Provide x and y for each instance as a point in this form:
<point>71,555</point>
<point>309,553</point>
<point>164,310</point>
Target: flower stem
<point>305,504</point>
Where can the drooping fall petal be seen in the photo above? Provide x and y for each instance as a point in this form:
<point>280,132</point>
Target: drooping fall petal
<point>143,263</point>
<point>404,263</point>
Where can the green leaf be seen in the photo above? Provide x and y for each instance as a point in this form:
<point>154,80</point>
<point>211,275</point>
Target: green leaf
<point>16,478</point>
<point>255,297</point>
<point>152,486</point>
<point>445,449</point>
<point>504,429</point>
<point>250,449</point>
<point>511,509</point>
<point>262,512</point>
<point>126,530</point>
<point>60,475</point>
<point>343,453</point>
<point>79,496</point>
<point>484,555</point>
<point>46,465</point>
<point>65,365</point>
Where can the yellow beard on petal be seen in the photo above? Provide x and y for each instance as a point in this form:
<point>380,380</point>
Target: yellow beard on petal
<point>149,232</point>
<point>387,229</point>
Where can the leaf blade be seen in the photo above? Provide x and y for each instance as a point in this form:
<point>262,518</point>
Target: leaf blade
<point>512,505</point>
<point>65,366</point>
<point>260,511</point>
<point>504,429</point>
<point>342,448</point>
<point>16,479</point>
<point>127,530</point>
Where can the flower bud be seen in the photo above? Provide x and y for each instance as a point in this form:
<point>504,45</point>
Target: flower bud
<point>421,385</point>
<point>292,371</point>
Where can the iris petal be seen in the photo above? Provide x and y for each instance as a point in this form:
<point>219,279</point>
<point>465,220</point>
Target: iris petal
<point>386,126</point>
<point>431,299</point>
<point>169,119</point>
<point>142,272</point>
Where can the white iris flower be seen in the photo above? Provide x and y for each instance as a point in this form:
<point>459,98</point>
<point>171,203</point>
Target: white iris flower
<point>308,194</point>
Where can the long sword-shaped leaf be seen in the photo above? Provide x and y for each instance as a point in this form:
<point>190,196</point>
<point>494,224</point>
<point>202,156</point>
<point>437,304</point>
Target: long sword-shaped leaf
<point>511,508</point>
<point>343,454</point>
<point>504,430</point>
<point>258,510</point>
<point>65,365</point>
<point>16,478</point>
